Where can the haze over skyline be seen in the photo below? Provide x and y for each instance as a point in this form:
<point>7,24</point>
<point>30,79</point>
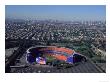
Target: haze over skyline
<point>56,12</point>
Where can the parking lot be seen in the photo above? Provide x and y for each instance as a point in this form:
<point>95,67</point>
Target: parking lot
<point>87,67</point>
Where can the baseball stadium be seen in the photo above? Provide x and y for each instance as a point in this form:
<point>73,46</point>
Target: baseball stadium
<point>53,55</point>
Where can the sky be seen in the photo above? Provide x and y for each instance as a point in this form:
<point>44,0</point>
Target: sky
<point>56,12</point>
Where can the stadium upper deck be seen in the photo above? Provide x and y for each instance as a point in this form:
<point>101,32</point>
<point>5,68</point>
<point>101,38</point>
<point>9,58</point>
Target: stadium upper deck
<point>59,53</point>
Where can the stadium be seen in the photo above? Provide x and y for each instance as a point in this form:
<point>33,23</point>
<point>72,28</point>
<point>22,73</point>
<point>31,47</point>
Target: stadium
<point>53,55</point>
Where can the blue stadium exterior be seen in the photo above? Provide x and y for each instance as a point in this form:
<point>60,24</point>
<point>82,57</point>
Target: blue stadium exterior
<point>34,54</point>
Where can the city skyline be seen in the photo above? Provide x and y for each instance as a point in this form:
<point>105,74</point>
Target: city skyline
<point>57,12</point>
